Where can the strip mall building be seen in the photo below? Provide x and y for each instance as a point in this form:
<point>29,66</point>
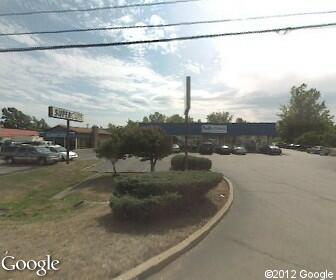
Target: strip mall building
<point>250,135</point>
<point>80,137</point>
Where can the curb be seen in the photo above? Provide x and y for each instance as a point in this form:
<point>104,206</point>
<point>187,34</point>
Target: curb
<point>90,166</point>
<point>68,190</point>
<point>156,263</point>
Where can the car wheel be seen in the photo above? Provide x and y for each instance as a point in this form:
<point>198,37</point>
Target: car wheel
<point>10,160</point>
<point>42,161</point>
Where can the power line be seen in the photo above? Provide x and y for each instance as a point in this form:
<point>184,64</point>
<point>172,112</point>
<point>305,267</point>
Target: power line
<point>163,25</point>
<point>163,40</point>
<point>96,8</point>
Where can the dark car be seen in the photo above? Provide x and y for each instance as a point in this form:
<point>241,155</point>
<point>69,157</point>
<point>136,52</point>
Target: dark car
<point>319,150</point>
<point>32,154</point>
<point>271,150</point>
<point>206,148</point>
<point>8,151</point>
<point>304,148</point>
<point>223,150</point>
<point>282,145</point>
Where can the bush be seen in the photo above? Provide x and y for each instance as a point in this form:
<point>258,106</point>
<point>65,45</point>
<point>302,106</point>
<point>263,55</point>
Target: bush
<point>153,195</point>
<point>194,163</point>
<point>133,208</point>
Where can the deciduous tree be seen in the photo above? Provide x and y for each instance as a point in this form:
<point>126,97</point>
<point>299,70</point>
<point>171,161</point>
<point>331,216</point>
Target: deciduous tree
<point>114,148</point>
<point>14,118</point>
<point>304,113</point>
<point>219,117</point>
<point>150,144</point>
<point>155,118</point>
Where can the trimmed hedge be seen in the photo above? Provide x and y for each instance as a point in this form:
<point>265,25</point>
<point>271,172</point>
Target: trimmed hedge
<point>153,195</point>
<point>194,163</point>
<point>132,208</point>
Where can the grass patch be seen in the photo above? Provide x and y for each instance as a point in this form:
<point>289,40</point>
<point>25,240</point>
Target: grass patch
<point>26,195</point>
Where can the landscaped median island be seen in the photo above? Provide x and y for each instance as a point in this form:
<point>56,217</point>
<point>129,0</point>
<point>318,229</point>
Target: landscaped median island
<point>124,220</point>
<point>161,195</point>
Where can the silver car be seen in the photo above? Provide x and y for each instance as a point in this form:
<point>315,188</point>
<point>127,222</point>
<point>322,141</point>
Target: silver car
<point>62,152</point>
<point>239,150</point>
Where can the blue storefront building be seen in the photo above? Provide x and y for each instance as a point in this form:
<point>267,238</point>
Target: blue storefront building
<point>250,135</point>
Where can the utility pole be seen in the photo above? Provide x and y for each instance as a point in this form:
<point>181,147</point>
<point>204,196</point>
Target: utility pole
<point>67,142</point>
<point>186,114</point>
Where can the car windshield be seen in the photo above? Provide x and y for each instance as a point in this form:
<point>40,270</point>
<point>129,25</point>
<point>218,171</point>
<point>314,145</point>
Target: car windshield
<point>43,150</point>
<point>60,149</point>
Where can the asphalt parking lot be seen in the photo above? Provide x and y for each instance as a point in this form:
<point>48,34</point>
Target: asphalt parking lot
<point>283,217</point>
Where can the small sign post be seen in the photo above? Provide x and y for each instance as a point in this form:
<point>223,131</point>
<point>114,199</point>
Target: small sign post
<point>186,114</point>
<point>59,113</point>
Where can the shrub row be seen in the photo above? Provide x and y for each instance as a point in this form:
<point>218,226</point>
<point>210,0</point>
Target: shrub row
<point>194,163</point>
<point>154,195</point>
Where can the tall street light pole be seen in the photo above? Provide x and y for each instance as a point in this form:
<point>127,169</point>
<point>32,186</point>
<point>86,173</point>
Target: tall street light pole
<point>186,114</point>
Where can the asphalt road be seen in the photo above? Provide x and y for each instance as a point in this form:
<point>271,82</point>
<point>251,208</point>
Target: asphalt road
<point>283,217</point>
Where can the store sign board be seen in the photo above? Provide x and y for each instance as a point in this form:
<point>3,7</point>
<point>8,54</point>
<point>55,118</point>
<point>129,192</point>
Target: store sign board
<point>214,128</point>
<point>60,113</point>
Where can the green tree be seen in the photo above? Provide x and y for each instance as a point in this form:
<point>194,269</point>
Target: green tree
<point>329,138</point>
<point>304,113</point>
<point>155,118</point>
<point>38,125</point>
<point>131,124</point>
<point>240,120</point>
<point>219,117</point>
<point>111,127</point>
<point>14,118</point>
<point>178,119</point>
<point>113,149</point>
<point>150,144</point>
<point>309,138</point>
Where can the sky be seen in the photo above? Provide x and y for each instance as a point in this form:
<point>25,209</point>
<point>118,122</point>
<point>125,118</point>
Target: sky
<point>250,76</point>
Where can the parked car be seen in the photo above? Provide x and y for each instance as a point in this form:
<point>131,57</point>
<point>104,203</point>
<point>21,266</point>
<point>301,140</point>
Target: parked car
<point>194,148</point>
<point>304,148</point>
<point>62,152</point>
<point>239,150</point>
<point>271,150</point>
<point>282,145</point>
<point>325,151</point>
<point>294,146</point>
<point>176,148</point>
<point>8,151</point>
<point>32,154</point>
<point>223,150</point>
<point>206,148</point>
<point>319,150</point>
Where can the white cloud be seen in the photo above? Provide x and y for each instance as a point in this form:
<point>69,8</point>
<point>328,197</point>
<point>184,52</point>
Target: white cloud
<point>117,86</point>
<point>193,67</point>
<point>247,75</point>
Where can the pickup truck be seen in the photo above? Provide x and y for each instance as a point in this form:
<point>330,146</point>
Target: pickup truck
<point>29,154</point>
